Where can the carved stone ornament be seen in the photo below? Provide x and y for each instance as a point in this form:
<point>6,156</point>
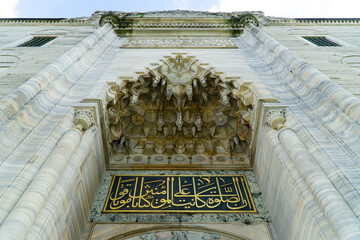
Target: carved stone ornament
<point>248,18</point>
<point>179,107</point>
<point>179,43</point>
<point>84,119</point>
<point>240,20</point>
<point>174,19</point>
<point>275,118</point>
<point>111,18</point>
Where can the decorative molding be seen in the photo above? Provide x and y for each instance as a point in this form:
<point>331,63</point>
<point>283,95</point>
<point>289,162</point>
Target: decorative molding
<point>179,43</point>
<point>45,21</point>
<point>177,19</point>
<point>240,18</point>
<point>312,21</point>
<point>177,25</point>
<point>178,14</point>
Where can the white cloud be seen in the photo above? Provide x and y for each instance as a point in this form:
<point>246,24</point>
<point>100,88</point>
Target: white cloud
<point>181,4</point>
<point>294,8</point>
<point>8,8</point>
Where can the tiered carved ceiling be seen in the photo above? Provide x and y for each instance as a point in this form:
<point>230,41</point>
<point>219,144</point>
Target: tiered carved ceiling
<point>180,107</point>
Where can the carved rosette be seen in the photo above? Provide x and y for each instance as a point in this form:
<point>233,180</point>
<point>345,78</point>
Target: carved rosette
<point>180,107</point>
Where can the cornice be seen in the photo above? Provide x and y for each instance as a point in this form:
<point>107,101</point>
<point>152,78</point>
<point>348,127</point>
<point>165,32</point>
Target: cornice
<point>44,21</point>
<point>215,20</point>
<point>175,14</point>
<point>313,21</point>
<point>171,23</point>
<point>179,19</point>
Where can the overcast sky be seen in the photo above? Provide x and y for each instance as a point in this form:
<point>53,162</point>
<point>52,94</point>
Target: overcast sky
<point>277,8</point>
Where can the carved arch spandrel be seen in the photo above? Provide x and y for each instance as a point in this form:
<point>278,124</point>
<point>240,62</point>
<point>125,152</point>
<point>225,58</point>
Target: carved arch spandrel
<point>180,107</point>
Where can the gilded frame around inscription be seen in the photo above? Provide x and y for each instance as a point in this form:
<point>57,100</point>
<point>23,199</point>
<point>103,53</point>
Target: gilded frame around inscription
<point>166,193</point>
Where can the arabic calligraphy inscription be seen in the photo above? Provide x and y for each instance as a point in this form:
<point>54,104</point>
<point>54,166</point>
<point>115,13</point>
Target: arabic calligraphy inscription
<point>173,193</point>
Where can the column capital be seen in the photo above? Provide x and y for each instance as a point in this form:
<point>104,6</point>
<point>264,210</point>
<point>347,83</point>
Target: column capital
<point>111,18</point>
<point>275,118</point>
<point>248,18</point>
<point>84,119</point>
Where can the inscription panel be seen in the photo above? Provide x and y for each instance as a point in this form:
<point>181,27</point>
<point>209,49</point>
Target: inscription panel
<point>179,43</point>
<point>173,193</point>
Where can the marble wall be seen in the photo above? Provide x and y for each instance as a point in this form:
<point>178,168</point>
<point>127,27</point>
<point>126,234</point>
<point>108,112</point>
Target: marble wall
<point>25,62</point>
<point>340,64</point>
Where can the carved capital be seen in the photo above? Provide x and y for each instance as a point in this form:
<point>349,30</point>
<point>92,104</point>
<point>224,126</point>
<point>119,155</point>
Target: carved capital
<point>248,18</point>
<point>111,18</point>
<point>84,119</point>
<point>275,118</point>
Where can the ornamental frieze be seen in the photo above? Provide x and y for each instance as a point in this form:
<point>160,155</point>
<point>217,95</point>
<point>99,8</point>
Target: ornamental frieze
<point>179,43</point>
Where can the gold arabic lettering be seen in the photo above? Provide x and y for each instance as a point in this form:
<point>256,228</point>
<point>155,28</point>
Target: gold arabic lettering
<point>179,193</point>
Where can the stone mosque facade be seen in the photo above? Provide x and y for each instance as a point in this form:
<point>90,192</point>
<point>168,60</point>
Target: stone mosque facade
<point>179,125</point>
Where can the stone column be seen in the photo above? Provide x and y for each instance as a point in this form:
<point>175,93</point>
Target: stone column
<point>341,217</point>
<point>21,218</point>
